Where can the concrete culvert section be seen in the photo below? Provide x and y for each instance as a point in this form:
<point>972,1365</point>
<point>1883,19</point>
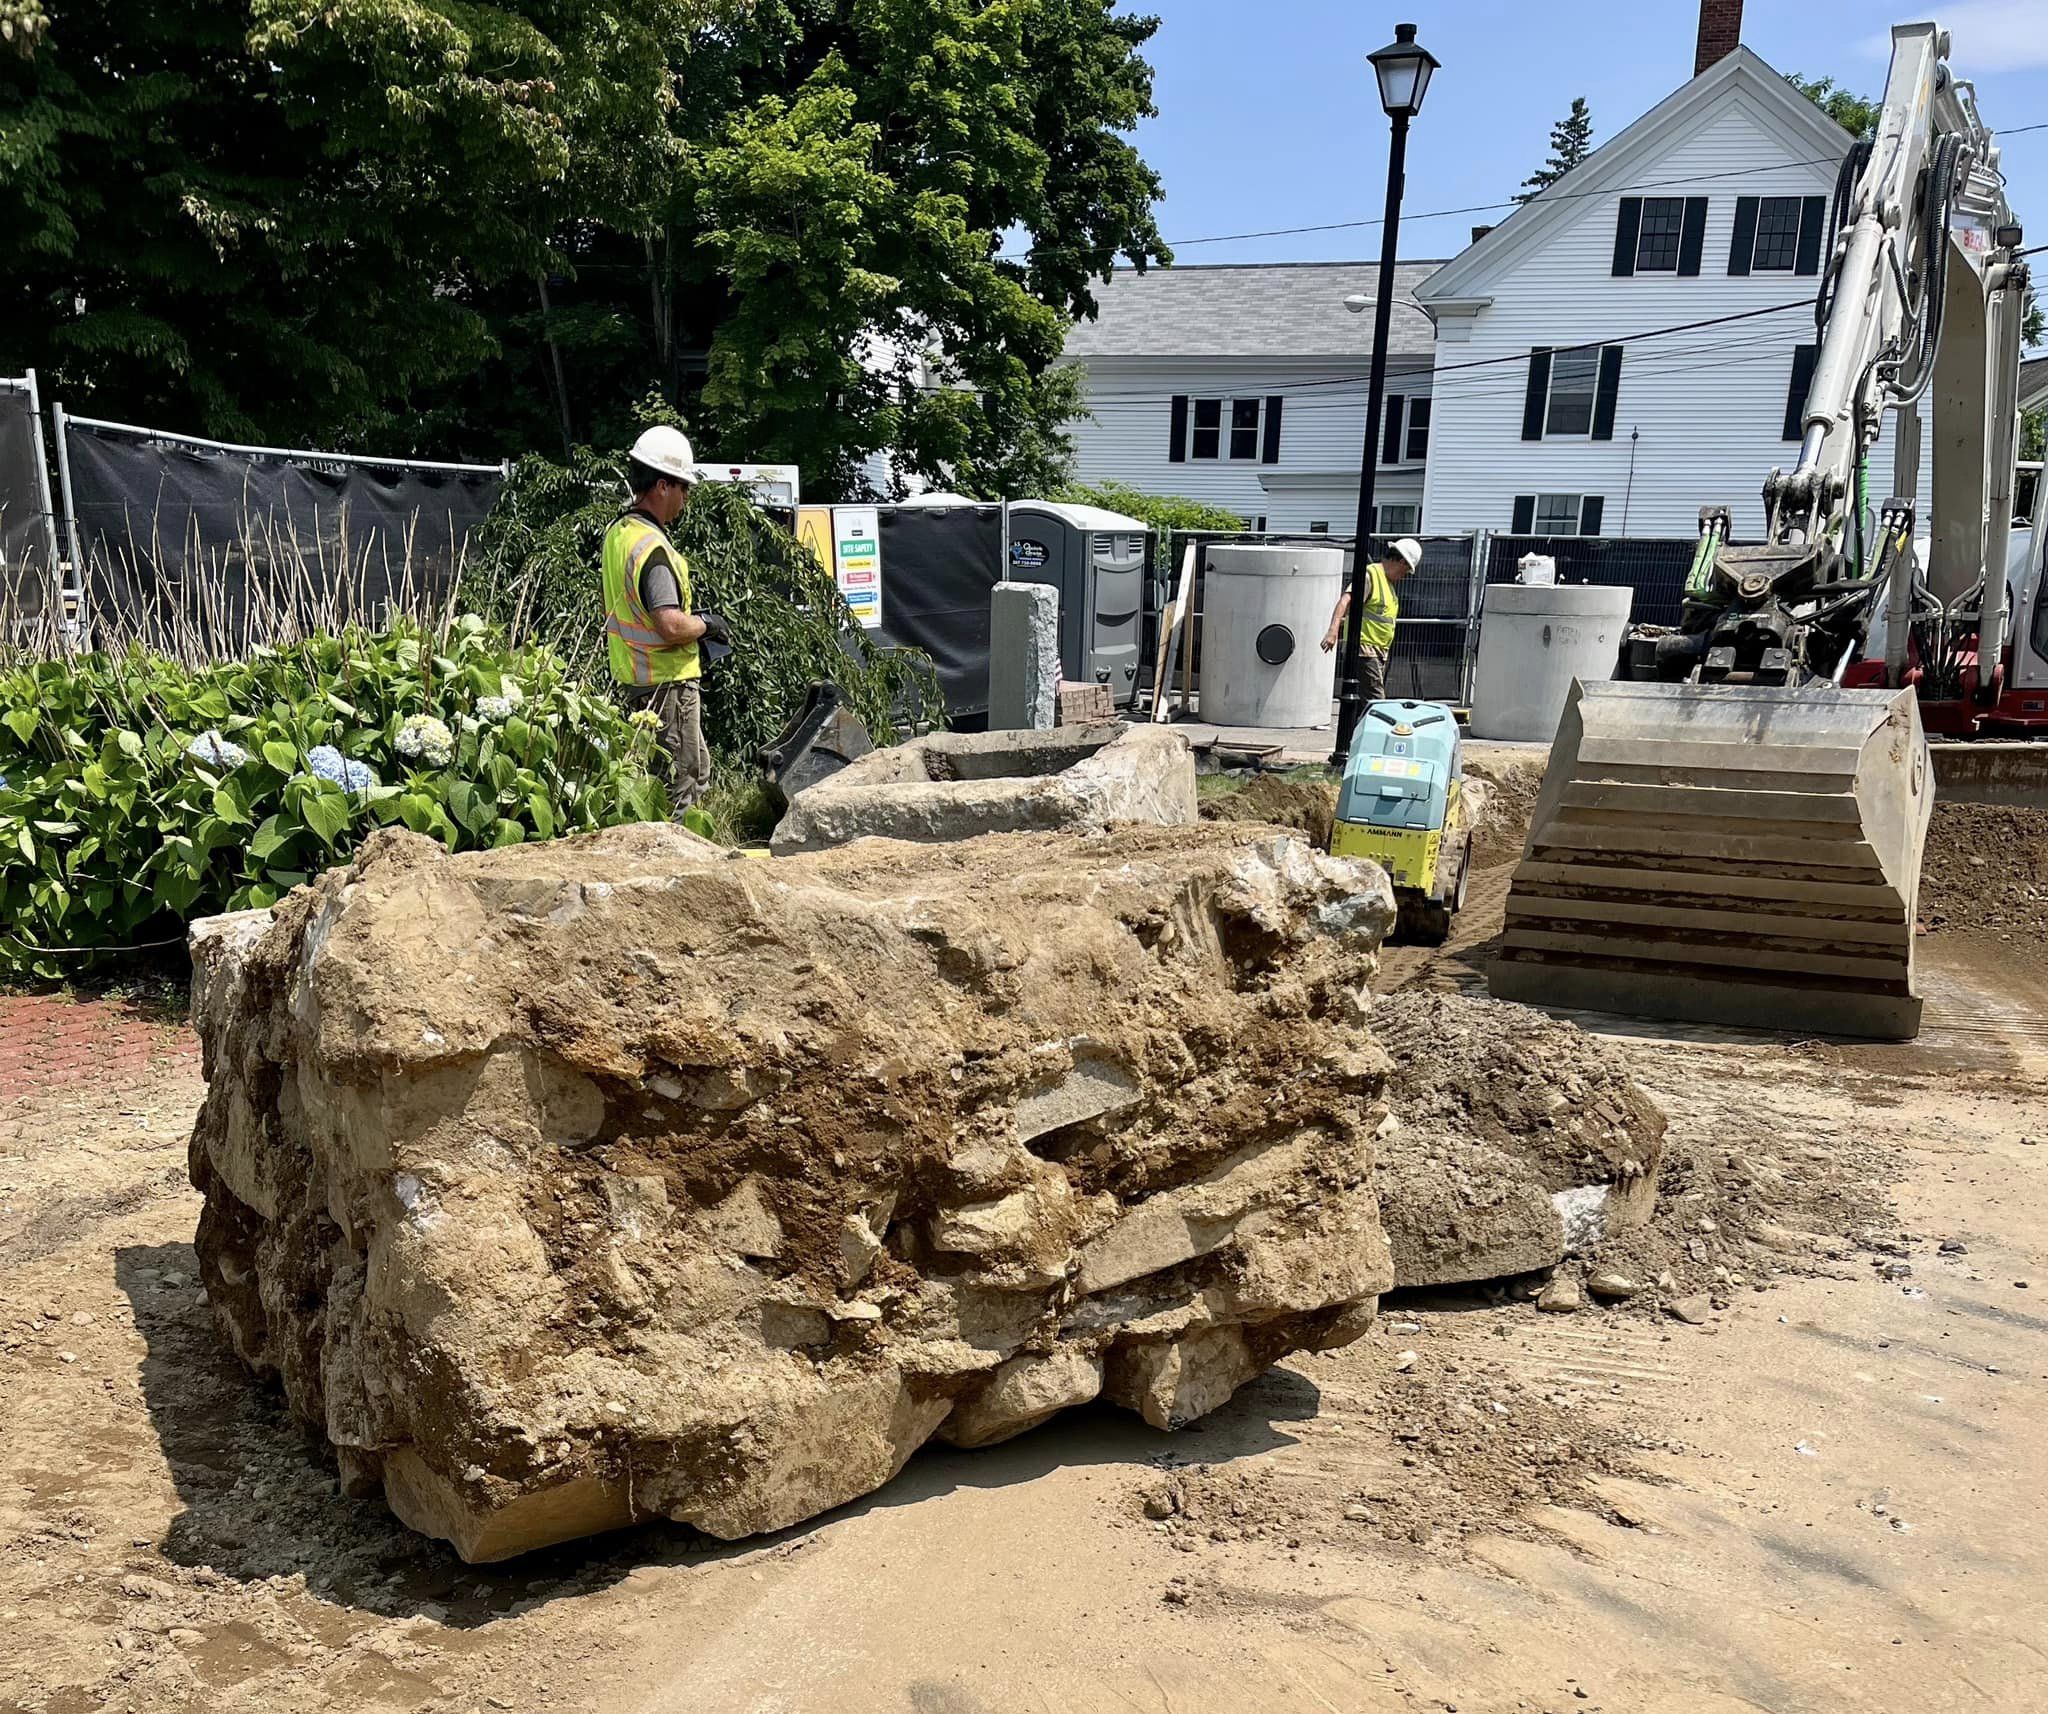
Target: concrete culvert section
<point>622,1177</point>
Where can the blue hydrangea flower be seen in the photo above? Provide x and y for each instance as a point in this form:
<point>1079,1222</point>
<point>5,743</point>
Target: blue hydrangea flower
<point>215,751</point>
<point>325,762</point>
<point>425,739</point>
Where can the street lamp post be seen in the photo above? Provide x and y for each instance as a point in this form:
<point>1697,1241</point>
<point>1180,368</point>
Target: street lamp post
<point>1403,69</point>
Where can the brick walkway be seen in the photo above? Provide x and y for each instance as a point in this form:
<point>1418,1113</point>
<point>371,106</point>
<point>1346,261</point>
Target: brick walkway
<point>48,1040</point>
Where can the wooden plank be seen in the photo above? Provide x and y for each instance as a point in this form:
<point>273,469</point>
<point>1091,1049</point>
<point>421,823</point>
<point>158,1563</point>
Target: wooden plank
<point>1169,632</point>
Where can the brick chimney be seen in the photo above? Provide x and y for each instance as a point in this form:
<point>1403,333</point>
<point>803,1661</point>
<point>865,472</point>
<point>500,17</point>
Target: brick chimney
<point>1720,33</point>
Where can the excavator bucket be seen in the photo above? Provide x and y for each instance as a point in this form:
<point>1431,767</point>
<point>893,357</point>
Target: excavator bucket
<point>1742,854</point>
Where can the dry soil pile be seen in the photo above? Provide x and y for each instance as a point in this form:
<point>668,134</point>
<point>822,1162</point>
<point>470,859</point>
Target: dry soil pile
<point>1986,871</point>
<point>1280,800</point>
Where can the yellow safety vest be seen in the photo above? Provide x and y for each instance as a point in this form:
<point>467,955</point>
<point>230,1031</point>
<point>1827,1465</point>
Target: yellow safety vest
<point>638,654</point>
<point>1382,608</point>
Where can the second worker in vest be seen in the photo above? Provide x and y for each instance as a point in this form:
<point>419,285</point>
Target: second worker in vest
<point>651,635</point>
<point>1382,608</point>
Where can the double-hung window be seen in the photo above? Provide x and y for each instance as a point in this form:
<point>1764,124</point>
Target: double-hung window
<point>1558,514</point>
<point>1244,431</point>
<point>1658,238</point>
<point>1572,393</point>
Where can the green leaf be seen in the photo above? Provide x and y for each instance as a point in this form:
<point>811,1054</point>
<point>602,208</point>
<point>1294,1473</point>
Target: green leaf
<point>227,804</point>
<point>509,832</point>
<point>130,742</point>
<point>699,823</point>
<point>26,841</point>
<point>543,814</point>
<point>418,811</point>
<point>268,838</point>
<point>327,814</point>
<point>281,756</point>
<point>22,722</point>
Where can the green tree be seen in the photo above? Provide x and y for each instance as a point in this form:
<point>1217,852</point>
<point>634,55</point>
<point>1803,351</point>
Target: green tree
<point>825,229</point>
<point>1571,141</point>
<point>1853,113</point>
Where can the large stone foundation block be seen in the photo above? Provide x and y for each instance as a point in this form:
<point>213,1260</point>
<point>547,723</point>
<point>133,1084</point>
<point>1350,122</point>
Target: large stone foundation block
<point>623,1177</point>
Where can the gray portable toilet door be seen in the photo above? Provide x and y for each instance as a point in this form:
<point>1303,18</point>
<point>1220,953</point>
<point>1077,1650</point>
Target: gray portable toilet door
<point>1116,604</point>
<point>1042,551</point>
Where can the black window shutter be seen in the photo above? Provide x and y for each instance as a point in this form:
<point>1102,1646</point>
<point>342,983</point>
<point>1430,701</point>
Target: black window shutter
<point>1743,246</point>
<point>1813,214</point>
<point>1177,431</point>
<point>1269,450</point>
<point>1628,227</point>
<point>1390,439</point>
<point>1592,511</point>
<point>1803,359</point>
<point>1538,395</point>
<point>1525,515</point>
<point>1692,236</point>
<point>1608,392</point>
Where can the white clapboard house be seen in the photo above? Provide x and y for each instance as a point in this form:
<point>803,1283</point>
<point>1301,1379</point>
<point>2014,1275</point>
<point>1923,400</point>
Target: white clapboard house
<point>1562,404</point>
<point>1244,386</point>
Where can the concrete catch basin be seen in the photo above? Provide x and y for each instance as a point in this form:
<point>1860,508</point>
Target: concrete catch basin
<point>957,785</point>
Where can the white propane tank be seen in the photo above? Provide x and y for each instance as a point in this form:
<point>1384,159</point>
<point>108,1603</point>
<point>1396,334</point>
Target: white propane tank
<point>1536,568</point>
<point>1264,612</point>
<point>1534,639</point>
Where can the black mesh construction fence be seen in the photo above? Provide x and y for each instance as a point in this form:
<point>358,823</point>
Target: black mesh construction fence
<point>237,545</point>
<point>25,569</point>
<point>1654,567</point>
<point>1432,642</point>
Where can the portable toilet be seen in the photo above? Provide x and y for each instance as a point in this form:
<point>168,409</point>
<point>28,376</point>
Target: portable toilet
<point>1099,561</point>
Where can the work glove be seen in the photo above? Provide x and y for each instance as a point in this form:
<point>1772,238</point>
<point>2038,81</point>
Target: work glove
<point>716,630</point>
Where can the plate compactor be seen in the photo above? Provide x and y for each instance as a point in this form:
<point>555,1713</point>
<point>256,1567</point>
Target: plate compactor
<point>1403,804</point>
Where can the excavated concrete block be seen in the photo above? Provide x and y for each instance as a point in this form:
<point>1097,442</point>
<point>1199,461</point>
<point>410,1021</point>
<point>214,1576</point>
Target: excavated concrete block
<point>957,785</point>
<point>1515,1138</point>
<point>614,1178</point>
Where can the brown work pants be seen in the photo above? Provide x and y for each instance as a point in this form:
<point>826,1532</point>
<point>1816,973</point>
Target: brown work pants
<point>681,757</point>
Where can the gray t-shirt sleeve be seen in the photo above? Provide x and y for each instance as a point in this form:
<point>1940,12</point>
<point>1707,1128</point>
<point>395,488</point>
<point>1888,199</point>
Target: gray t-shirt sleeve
<point>658,585</point>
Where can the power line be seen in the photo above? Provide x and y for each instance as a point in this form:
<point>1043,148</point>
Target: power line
<point>1489,207</point>
<point>1299,387</point>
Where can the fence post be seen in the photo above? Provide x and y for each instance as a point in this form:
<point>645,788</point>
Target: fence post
<point>61,425</point>
<point>1475,592</point>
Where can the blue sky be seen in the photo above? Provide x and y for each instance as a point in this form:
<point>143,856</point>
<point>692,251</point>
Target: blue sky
<point>1268,115</point>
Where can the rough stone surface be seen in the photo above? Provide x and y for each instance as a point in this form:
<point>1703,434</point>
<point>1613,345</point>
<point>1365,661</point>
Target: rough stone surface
<point>567,1185</point>
<point>1562,1296</point>
<point>1023,657</point>
<point>958,785</point>
<point>1508,1127</point>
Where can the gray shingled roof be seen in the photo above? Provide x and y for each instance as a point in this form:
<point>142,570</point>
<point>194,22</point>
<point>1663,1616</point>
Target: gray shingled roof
<point>2033,381</point>
<point>1251,309</point>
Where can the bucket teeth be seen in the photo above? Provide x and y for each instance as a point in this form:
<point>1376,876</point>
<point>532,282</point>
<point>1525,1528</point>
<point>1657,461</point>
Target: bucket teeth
<point>1734,854</point>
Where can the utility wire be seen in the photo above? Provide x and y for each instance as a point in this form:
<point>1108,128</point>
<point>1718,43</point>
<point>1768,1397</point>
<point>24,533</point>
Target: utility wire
<point>1489,207</point>
<point>1300,387</point>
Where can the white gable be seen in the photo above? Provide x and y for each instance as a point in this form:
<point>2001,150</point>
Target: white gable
<point>1699,414</point>
<point>1645,157</point>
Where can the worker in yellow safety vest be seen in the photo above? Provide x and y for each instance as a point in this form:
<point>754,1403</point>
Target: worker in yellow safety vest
<point>1376,624</point>
<point>651,634</point>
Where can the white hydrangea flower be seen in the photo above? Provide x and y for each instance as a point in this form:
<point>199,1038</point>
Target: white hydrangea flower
<point>495,709</point>
<point>215,751</point>
<point>423,738</point>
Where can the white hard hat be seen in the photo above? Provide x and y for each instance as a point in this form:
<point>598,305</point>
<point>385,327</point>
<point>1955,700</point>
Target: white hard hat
<point>668,451</point>
<point>1410,551</point>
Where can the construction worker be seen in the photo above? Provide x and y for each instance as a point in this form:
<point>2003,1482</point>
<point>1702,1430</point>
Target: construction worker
<point>1382,608</point>
<point>651,635</point>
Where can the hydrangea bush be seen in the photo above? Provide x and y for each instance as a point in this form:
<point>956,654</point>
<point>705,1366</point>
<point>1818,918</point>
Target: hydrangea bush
<point>139,792</point>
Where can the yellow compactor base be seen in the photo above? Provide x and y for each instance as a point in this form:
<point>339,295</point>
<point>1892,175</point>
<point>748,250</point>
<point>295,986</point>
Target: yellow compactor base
<point>1728,854</point>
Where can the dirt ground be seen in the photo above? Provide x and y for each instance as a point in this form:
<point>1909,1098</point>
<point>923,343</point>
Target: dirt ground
<point>1831,1495</point>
